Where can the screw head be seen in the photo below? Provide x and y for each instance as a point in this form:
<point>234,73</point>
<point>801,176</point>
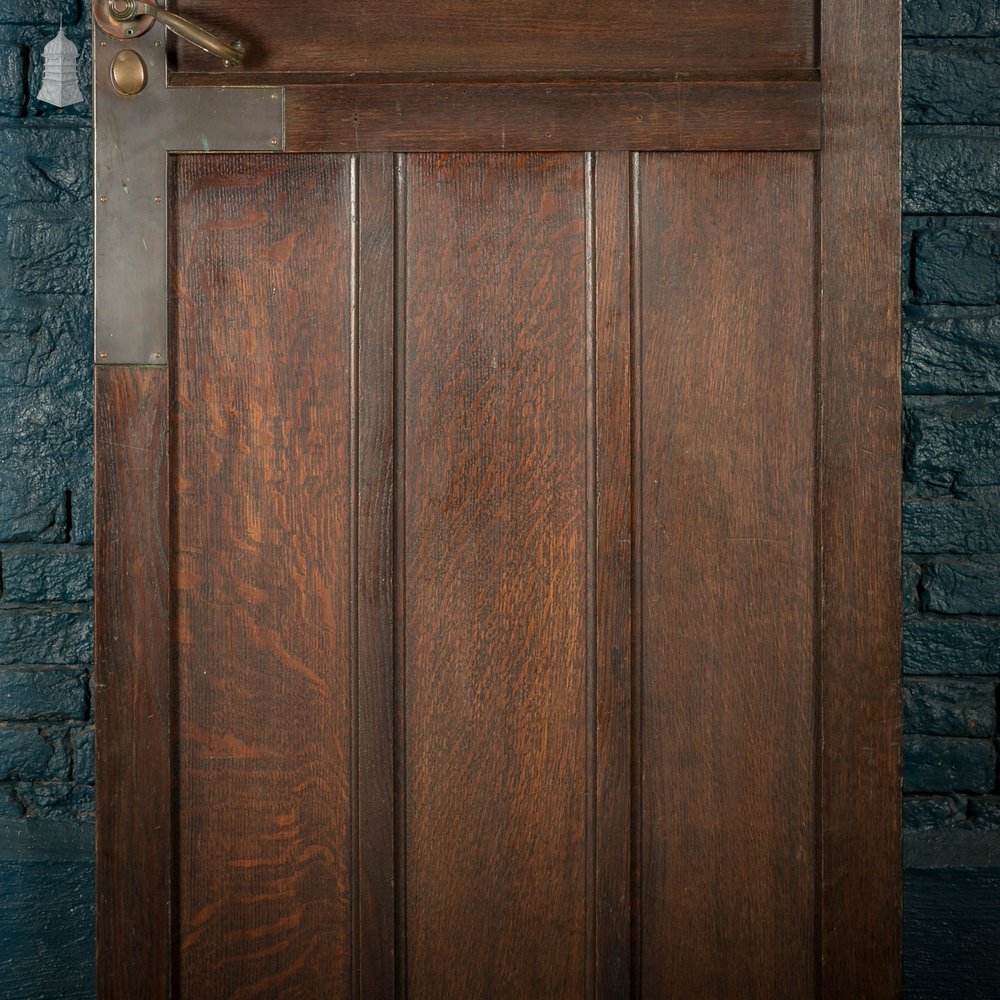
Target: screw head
<point>158,199</point>
<point>104,199</point>
<point>103,355</point>
<point>274,142</point>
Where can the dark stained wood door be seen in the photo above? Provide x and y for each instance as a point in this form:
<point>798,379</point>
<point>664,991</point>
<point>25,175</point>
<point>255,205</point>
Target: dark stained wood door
<point>497,589</point>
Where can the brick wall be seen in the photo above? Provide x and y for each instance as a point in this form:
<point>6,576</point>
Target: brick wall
<point>46,585</point>
<point>46,589</point>
<point>951,294</point>
<point>951,482</point>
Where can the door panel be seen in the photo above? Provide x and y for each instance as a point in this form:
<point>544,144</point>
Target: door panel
<point>727,569</point>
<point>361,37</point>
<point>497,578</point>
<point>261,401</point>
<point>497,664</point>
<point>510,276</point>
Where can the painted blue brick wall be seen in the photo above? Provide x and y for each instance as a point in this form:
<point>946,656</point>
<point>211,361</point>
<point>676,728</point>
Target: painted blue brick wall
<point>951,482</point>
<point>951,295</point>
<point>46,566</point>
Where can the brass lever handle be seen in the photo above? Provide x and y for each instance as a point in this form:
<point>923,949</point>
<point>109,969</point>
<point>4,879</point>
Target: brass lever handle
<point>131,10</point>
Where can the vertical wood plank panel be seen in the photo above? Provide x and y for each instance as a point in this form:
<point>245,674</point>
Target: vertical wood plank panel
<point>376,517</point>
<point>263,522</point>
<point>496,568</point>
<point>728,858</point>
<point>859,519</point>
<point>132,688</point>
<point>613,564</point>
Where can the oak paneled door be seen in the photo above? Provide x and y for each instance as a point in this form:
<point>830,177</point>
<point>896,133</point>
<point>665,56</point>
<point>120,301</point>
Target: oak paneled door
<point>497,590</point>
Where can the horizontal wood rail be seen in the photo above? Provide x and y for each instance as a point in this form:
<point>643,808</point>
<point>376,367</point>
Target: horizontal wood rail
<point>565,114</point>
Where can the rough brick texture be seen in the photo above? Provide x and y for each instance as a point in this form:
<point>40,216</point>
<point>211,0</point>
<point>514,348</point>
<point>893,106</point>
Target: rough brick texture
<point>956,265</point>
<point>938,707</point>
<point>951,487</point>
<point>46,477</point>
<point>950,19</point>
<point>46,575</point>
<point>949,83</point>
<point>942,764</point>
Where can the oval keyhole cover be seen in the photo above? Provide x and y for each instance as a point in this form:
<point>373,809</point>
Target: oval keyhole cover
<point>128,73</point>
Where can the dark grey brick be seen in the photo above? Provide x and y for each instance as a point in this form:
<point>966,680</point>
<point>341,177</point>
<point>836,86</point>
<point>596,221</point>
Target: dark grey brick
<point>962,586</point>
<point>947,764</point>
<point>933,812</point>
<point>47,347</point>
<point>32,505</point>
<point>50,255</point>
<point>39,11</point>
<point>952,444</point>
<point>946,84</point>
<point>957,265</point>
<point>951,174</point>
<point>45,637</point>
<point>32,754</point>
<point>47,800</point>
<point>12,92</point>
<point>911,582</point>
<point>45,162</point>
<point>951,18</point>
<point>984,812</point>
<point>45,693</point>
<point>951,646</point>
<point>953,355</point>
<point>81,503</point>
<point>83,756</point>
<point>952,525</point>
<point>937,707</point>
<point>40,574</point>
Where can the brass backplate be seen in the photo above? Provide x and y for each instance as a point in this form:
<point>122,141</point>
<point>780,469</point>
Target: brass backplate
<point>133,137</point>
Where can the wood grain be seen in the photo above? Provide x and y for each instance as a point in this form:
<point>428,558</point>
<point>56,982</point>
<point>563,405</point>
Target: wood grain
<point>515,614</point>
<point>859,517</point>
<point>374,576</point>
<point>263,521</point>
<point>613,559</point>
<point>496,566</point>
<point>581,115</point>
<point>132,684</point>
<point>508,36</point>
<point>727,486</point>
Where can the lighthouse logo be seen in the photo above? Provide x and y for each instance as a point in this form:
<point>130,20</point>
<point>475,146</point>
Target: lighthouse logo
<point>60,86</point>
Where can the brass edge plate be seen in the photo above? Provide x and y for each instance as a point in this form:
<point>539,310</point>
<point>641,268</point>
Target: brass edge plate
<point>133,136</point>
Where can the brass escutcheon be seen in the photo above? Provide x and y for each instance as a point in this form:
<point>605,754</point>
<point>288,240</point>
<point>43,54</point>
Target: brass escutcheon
<point>128,73</point>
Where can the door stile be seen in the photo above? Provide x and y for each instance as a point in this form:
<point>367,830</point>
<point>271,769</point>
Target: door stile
<point>859,516</point>
<point>132,683</point>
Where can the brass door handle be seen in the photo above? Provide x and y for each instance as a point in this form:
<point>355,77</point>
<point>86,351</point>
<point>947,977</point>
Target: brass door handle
<point>125,18</point>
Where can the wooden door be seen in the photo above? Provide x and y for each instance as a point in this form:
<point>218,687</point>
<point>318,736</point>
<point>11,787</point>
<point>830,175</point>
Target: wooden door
<point>497,589</point>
